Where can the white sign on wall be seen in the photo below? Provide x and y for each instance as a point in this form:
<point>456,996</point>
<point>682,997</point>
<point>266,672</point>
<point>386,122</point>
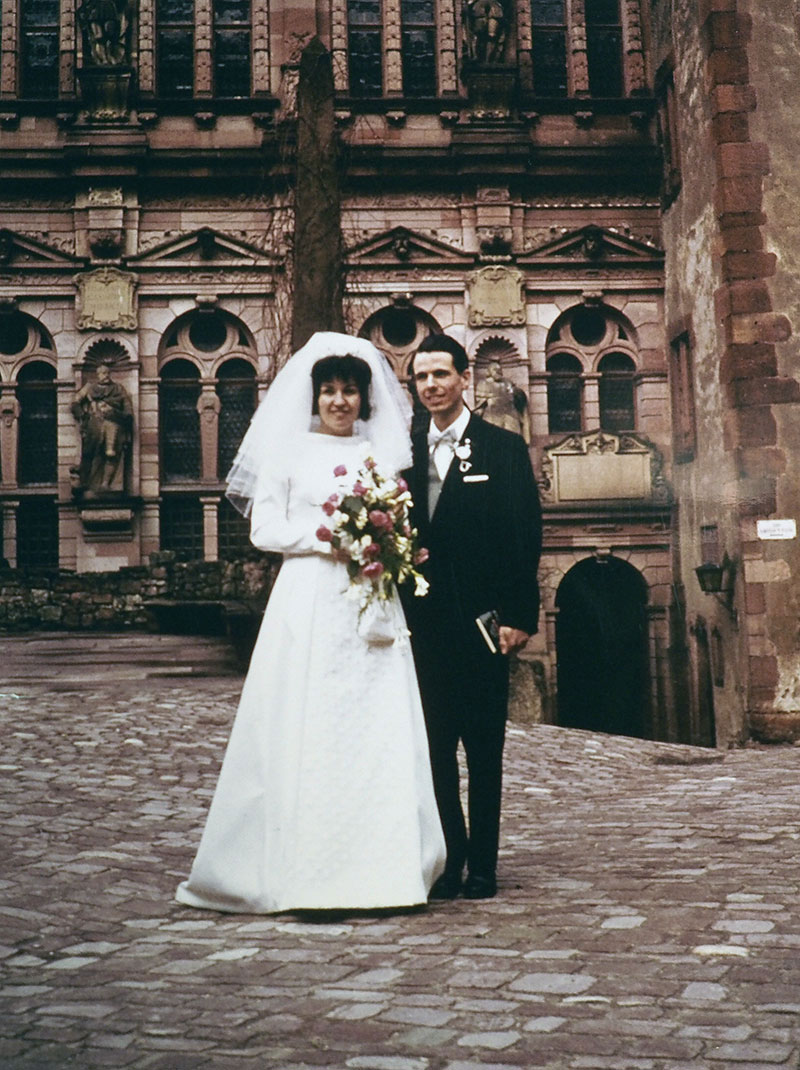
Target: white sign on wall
<point>777,529</point>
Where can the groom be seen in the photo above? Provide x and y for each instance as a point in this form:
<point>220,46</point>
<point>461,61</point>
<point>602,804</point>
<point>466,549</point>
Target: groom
<point>477,511</point>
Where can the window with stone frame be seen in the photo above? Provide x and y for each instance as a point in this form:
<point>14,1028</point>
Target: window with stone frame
<point>564,394</point>
<point>604,48</point>
<point>549,47</point>
<point>236,390</point>
<point>232,44</point>
<point>591,336</point>
<point>233,533</point>
<point>37,532</point>
<point>668,134</point>
<point>418,49</point>
<point>37,450</point>
<point>39,25</point>
<point>181,526</point>
<point>617,392</point>
<point>179,422</point>
<point>175,39</point>
<point>590,48</point>
<point>681,377</point>
<point>365,47</point>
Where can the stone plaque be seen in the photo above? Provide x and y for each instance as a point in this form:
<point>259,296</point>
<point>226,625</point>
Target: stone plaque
<point>599,466</point>
<point>496,298</point>
<point>106,299</point>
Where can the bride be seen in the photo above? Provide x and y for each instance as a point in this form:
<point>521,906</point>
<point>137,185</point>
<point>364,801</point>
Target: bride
<point>325,798</point>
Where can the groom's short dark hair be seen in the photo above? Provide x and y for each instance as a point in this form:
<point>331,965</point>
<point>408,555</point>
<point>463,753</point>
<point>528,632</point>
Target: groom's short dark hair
<point>443,343</point>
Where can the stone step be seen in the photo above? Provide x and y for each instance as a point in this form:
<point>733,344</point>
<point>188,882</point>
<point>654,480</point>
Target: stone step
<point>89,658</point>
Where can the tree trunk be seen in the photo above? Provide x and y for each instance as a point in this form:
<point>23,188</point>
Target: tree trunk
<point>318,281</point>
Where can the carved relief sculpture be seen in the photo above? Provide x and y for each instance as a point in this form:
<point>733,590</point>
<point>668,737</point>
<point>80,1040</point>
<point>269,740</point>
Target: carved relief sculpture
<point>105,25</point>
<point>485,27</point>
<point>104,411</point>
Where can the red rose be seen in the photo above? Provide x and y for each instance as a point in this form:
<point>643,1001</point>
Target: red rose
<point>324,534</point>
<point>370,463</point>
<point>379,519</point>
<point>359,488</point>
<point>402,486</point>
<point>340,470</point>
<point>373,570</point>
<point>421,556</point>
<point>328,508</point>
<point>373,550</point>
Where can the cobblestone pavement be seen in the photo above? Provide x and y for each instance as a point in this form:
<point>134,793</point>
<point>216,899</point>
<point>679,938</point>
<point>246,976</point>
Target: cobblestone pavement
<point>647,917</point>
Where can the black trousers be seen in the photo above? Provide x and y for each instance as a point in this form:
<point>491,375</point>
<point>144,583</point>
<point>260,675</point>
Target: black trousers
<point>463,704</point>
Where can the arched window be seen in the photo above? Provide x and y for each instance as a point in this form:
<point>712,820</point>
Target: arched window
<point>236,389</point>
<point>39,28</point>
<point>418,19</point>
<point>37,455</point>
<point>564,393</point>
<point>617,408</point>
<point>175,48</point>
<point>179,421</point>
<point>232,43</point>
<point>365,47</point>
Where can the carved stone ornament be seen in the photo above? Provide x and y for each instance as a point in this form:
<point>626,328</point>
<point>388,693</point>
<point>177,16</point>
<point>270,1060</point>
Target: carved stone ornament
<point>496,297</point>
<point>600,466</point>
<point>106,300</point>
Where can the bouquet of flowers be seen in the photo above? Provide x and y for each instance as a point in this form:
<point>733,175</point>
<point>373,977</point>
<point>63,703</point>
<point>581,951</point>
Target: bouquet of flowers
<point>369,529</point>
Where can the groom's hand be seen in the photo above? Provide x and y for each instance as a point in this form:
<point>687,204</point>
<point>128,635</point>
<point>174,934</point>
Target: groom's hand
<point>512,639</point>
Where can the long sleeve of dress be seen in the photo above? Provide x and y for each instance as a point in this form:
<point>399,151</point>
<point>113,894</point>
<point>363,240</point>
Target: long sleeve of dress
<point>282,522</point>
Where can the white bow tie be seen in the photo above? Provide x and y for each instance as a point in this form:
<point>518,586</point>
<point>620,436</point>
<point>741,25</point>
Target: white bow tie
<point>449,436</point>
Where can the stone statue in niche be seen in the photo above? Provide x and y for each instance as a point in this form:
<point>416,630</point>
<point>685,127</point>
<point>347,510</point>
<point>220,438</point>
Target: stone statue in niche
<point>104,411</point>
<point>502,403</point>
<point>105,25</point>
<point>485,26</point>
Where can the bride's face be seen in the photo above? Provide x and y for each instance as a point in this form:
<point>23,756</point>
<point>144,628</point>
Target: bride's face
<point>339,403</point>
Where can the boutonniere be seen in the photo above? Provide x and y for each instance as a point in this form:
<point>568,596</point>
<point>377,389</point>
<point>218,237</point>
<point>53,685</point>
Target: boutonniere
<point>464,451</point>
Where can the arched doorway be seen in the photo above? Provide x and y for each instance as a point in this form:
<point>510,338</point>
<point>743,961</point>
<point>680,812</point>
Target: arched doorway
<point>602,648</point>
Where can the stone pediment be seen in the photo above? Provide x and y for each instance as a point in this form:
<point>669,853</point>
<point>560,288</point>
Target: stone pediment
<point>594,244</point>
<point>207,248</point>
<point>601,466</point>
<point>20,251</point>
<point>403,247</point>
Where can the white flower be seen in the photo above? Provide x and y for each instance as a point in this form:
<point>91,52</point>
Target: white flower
<point>421,586</point>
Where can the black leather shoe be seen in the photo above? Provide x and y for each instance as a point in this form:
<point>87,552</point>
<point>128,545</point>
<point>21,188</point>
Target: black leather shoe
<point>447,886</point>
<point>478,887</point>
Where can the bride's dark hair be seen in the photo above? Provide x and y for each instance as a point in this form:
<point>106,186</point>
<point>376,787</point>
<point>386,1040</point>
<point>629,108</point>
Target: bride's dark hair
<point>347,368</point>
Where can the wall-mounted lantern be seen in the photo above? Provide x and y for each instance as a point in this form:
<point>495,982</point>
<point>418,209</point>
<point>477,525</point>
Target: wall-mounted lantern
<point>719,580</point>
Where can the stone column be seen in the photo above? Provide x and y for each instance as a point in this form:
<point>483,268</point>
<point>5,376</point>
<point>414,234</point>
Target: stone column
<point>8,510</point>
<point>9,419</point>
<point>209,405</point>
<point>210,528</point>
<point>591,401</point>
<point>203,76</point>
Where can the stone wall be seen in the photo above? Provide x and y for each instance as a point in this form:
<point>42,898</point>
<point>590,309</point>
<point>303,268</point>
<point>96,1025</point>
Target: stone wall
<point>137,598</point>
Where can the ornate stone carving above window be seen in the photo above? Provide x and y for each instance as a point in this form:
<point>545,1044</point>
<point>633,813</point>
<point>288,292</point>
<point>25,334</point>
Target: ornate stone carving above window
<point>597,466</point>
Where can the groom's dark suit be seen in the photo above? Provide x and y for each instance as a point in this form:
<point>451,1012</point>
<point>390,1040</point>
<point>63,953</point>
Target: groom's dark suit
<point>484,540</point>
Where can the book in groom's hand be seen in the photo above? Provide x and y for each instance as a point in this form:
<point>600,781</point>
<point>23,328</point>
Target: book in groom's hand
<point>489,627</point>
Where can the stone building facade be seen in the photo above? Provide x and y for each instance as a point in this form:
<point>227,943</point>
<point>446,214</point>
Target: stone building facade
<point>543,180</point>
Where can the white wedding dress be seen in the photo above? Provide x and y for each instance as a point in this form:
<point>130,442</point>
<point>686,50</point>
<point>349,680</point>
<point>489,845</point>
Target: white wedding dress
<point>325,798</point>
